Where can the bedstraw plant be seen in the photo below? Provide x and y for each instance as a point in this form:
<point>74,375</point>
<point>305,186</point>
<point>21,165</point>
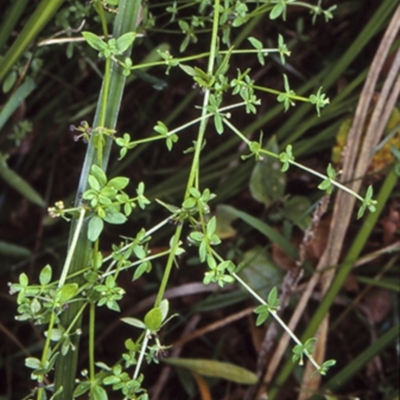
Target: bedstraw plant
<point>89,278</point>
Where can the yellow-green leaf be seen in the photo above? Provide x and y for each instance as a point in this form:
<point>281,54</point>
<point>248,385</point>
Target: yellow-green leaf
<point>215,369</point>
<point>153,319</point>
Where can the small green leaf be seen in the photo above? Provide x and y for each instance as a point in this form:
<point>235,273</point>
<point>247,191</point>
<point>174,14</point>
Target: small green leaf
<point>141,269</point>
<point>140,252</point>
<point>115,218</point>
<point>262,310</point>
<point>118,183</point>
<point>99,174</point>
<point>224,66</point>
<point>171,208</point>
<point>56,335</point>
<point>35,306</point>
<point>195,192</point>
<point>262,318</point>
<point>188,69</point>
<point>98,393</point>
<point>95,227</point>
<point>153,319</point>
<point>161,128</point>
<point>326,185</point>
<point>257,44</point>
<point>164,307</point>
<point>137,323</point>
<point>325,366</point>
<point>196,236</point>
<point>67,292</point>
<point>219,126</point>
<point>33,363</point>
<point>93,183</point>
<point>276,11</point>
<point>273,297</point>
<point>111,380</point>
<point>189,203</point>
<point>23,279</point>
<point>286,157</point>
<point>94,41</point>
<point>309,345</point>
<point>211,226</point>
<point>45,275</point>
<point>81,389</point>
<point>124,41</point>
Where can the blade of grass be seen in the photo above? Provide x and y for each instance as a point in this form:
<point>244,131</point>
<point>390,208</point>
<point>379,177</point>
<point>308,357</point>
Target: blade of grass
<point>384,283</point>
<point>19,184</point>
<point>10,20</point>
<point>348,372</point>
<point>266,230</point>
<point>126,21</point>
<point>15,100</point>
<point>44,11</point>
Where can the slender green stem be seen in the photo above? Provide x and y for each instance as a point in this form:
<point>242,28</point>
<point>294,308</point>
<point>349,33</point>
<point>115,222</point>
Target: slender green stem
<point>199,56</point>
<point>278,92</point>
<point>103,111</point>
<point>45,353</point>
<point>71,249</point>
<point>147,234</point>
<point>142,353</point>
<point>92,333</point>
<point>68,330</point>
<point>205,117</point>
<point>323,177</point>
<point>276,317</point>
<point>149,258</point>
<point>100,11</point>
<point>168,266</point>
<point>238,133</point>
<point>303,167</point>
<point>194,170</point>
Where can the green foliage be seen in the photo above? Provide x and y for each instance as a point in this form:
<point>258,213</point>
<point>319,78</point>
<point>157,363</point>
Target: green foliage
<point>286,157</point>
<point>108,201</point>
<point>286,97</point>
<point>215,369</point>
<point>271,305</point>
<point>267,181</point>
<point>18,183</point>
<point>112,48</point>
<point>91,276</point>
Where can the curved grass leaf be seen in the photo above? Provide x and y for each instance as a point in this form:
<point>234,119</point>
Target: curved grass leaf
<point>19,184</point>
<point>14,250</point>
<point>215,369</point>
<point>15,100</point>
<point>266,230</point>
<point>44,11</point>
